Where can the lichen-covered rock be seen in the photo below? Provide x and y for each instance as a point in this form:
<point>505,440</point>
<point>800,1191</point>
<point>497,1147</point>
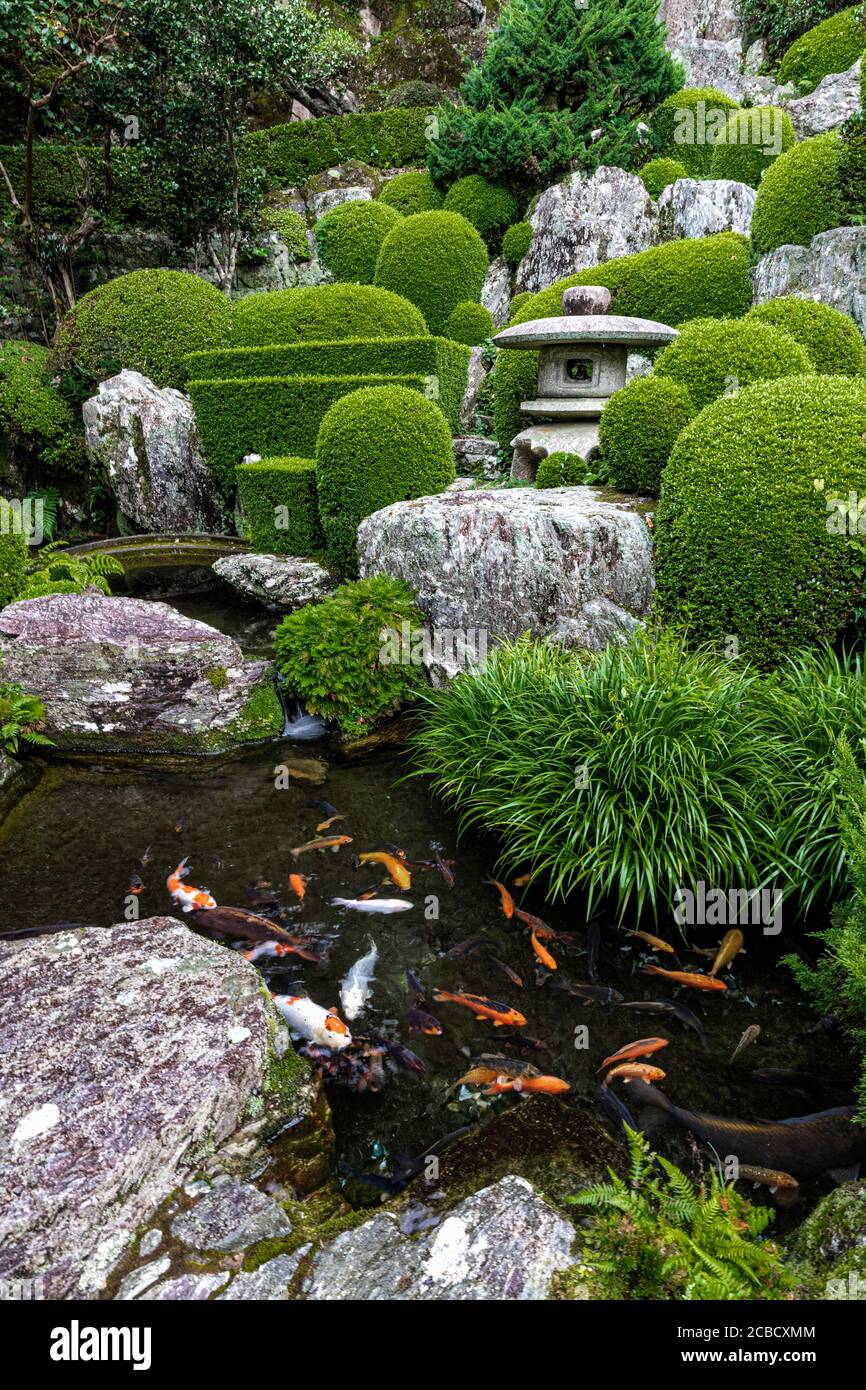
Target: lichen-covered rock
<point>186,1288</point>
<point>475,379</point>
<point>835,98</point>
<point>694,208</point>
<point>10,771</point>
<point>270,1282</point>
<point>829,1249</point>
<point>473,453</point>
<point>488,565</point>
<point>145,441</point>
<point>584,221</point>
<point>230,1216</point>
<point>281,582</point>
<point>128,1057</point>
<point>496,291</point>
<point>831,270</point>
<point>126,672</point>
<point>691,21</point>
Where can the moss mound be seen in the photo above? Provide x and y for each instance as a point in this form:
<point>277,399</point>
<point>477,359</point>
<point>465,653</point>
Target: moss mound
<point>323,314</point>
<point>660,173</point>
<point>799,195</point>
<point>561,470</point>
<point>684,127</point>
<point>488,206</point>
<point>753,140</point>
<point>716,357</point>
<point>36,419</point>
<point>833,46</point>
<point>435,259</point>
<point>638,430</point>
<point>832,339</point>
<point>350,237</point>
<point>516,242</point>
<point>469,323</point>
<point>412,192</point>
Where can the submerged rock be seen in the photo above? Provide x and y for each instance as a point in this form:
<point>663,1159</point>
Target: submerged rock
<point>831,270</point>
<point>129,1057</point>
<point>127,672</point>
<point>584,221</point>
<point>281,582</point>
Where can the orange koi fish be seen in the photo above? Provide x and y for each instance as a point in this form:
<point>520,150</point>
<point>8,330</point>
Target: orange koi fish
<point>400,875</point>
<point>635,1071</point>
<point>644,1047</point>
<point>507,900</point>
<point>528,1085</point>
<point>542,952</point>
<point>503,1015</point>
<point>187,897</point>
<point>298,885</point>
<point>333,843</point>
<point>685,977</point>
<point>731,944</point>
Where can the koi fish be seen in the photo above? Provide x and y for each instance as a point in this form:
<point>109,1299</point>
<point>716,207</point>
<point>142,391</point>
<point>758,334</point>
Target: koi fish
<point>519,1042</point>
<point>534,924</point>
<point>311,1021</point>
<point>655,942</point>
<point>333,843</point>
<point>314,803</point>
<point>507,900</point>
<point>386,905</point>
<point>146,858</point>
<point>187,897</point>
<point>750,1035</point>
<point>522,881</point>
<point>398,872</point>
<point>269,948</point>
<point>180,825</point>
<point>298,885</point>
<point>422,1022</point>
<point>473,943</point>
<point>476,1076</point>
<point>731,944</point>
<point>509,974</point>
<point>235,921</point>
<point>136,885</point>
<point>528,1085</point>
<point>503,1015</point>
<point>590,994</point>
<point>326,824</point>
<point>355,988</point>
<point>635,1071</point>
<point>667,1006</point>
<point>542,952</point>
<point>686,978</point>
<point>644,1047</point>
<point>766,1177</point>
<point>416,989</point>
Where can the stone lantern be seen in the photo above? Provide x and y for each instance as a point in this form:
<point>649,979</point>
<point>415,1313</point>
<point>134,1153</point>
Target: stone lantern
<point>582,363</point>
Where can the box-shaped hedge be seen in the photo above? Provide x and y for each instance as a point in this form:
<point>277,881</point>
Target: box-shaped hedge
<point>386,139</point>
<point>280,505</point>
<point>443,363</point>
<point>272,416</point>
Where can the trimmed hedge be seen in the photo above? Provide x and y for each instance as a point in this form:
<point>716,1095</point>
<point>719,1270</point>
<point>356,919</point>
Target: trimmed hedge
<point>350,236</point>
<point>638,428</point>
<point>275,483</point>
<point>673,283</point>
<point>14,558</point>
<point>147,322</point>
<point>33,414</point>
<point>712,357</point>
<point>412,192</point>
<point>488,206</point>
<point>386,139</point>
<point>444,364</point>
<point>684,125</point>
<point>833,46</point>
<point>469,323</point>
<point>377,445</point>
<point>832,339</point>
<point>437,260</point>
<point>659,174</point>
<point>276,416</point>
<point>799,195</point>
<point>323,314</point>
<point>743,155</point>
<point>743,543</point>
<point>58,183</point>
<point>561,470</point>
<point>516,242</point>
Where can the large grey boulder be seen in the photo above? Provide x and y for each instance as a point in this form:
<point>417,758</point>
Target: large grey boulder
<point>496,291</point>
<point>128,1057</point>
<point>692,21</point>
<point>583,221</point>
<point>126,672</point>
<point>144,440</point>
<point>712,63</point>
<point>693,208</point>
<point>502,1243</point>
<point>488,565</point>
<point>281,582</point>
<point>831,270</point>
<point>835,98</point>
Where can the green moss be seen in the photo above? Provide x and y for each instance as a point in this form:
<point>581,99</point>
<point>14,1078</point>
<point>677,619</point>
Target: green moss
<point>323,314</point>
<point>828,1252</point>
<point>833,46</point>
<point>280,505</point>
<point>660,173</point>
<point>14,557</point>
<point>469,323</point>
<point>712,357</point>
<point>291,228</point>
<point>753,140</point>
<point>437,260</point>
<point>516,242</point>
<point>217,676</point>
<point>291,153</point>
<point>261,717</point>
<point>411,192</point>
<point>832,339</point>
<point>638,429</point>
<point>33,415</point>
<point>684,126</point>
<point>350,236</point>
<point>799,195</point>
<point>488,206</point>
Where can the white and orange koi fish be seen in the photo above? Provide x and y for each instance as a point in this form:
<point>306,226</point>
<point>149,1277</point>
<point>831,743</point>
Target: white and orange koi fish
<point>311,1021</point>
<point>188,898</point>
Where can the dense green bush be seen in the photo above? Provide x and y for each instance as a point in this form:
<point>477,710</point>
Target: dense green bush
<point>780,22</point>
<point>746,527</point>
<point>330,653</point>
<point>280,506</point>
<point>323,314</point>
<point>832,46</point>
<point>120,187</point>
<point>469,323</point>
<point>832,339</point>
<point>560,470</point>
<point>799,195</point>
<point>376,446</point>
<point>350,236</point>
<point>673,283</point>
<point>715,357</point>
<point>273,416</point>
<point>753,140</point>
<point>14,556</point>
<point>686,124</point>
<point>516,242</point>
<point>659,174</point>
<point>852,169</point>
<point>291,228</point>
<point>412,192</point>
<point>435,259</point>
<point>414,92</point>
<point>291,153</point>
<point>444,364</point>
<point>488,206</point>
<point>34,417</point>
<point>639,427</point>
<point>145,321</point>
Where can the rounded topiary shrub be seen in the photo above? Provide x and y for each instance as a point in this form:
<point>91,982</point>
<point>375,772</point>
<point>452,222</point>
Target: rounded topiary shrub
<point>832,46</point>
<point>145,321</point>
<point>852,170</point>
<point>659,174</point>
<point>14,556</point>
<point>753,140</point>
<point>561,470</point>
<point>832,339</point>
<point>747,545</point>
<point>412,192</point>
<point>437,260</point>
<point>488,206</point>
<point>717,357</point>
<point>350,236</point>
<point>40,426</point>
<point>323,314</point>
<point>469,323</point>
<point>516,242</point>
<point>378,445</point>
<point>686,124</point>
<point>638,428</point>
<point>799,195</point>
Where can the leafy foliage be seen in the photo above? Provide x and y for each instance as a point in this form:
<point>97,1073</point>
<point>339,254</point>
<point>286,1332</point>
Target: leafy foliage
<point>469,323</point>
<point>674,133</point>
<point>323,314</point>
<point>561,470</point>
<point>412,191</point>
<point>638,429</point>
<point>832,46</point>
<point>33,414</point>
<point>713,356</point>
<point>350,236</point>
<point>435,259</point>
<point>780,22</point>
<point>488,206</point>
<point>832,339</point>
<point>21,717</point>
<point>749,146</point>
<point>516,242</point>
<point>658,174</point>
<point>59,573</point>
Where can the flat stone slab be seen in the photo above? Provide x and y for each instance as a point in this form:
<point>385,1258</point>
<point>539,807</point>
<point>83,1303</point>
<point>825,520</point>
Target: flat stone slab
<point>231,1216</point>
<point>281,582</point>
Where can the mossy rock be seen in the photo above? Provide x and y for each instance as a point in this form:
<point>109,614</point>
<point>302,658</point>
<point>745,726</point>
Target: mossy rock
<point>828,1251</point>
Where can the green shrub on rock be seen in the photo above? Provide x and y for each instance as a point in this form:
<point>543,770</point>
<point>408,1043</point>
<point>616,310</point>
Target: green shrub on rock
<point>350,236</point>
<point>14,556</point>
<point>36,419</point>
<point>469,323</point>
<point>435,259</point>
<point>323,314</point>
<point>377,445</point>
<point>638,428</point>
<point>488,206</point>
<point>280,505</point>
<point>799,195</point>
<point>745,547</point>
<point>832,339</point>
<point>516,242</point>
<point>852,170</point>
<point>145,321</point>
<point>291,228</point>
<point>753,140</point>
<point>685,125</point>
<point>561,469</point>
<point>412,192</point>
<point>715,357</point>
<point>659,174</point>
<point>833,46</point>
